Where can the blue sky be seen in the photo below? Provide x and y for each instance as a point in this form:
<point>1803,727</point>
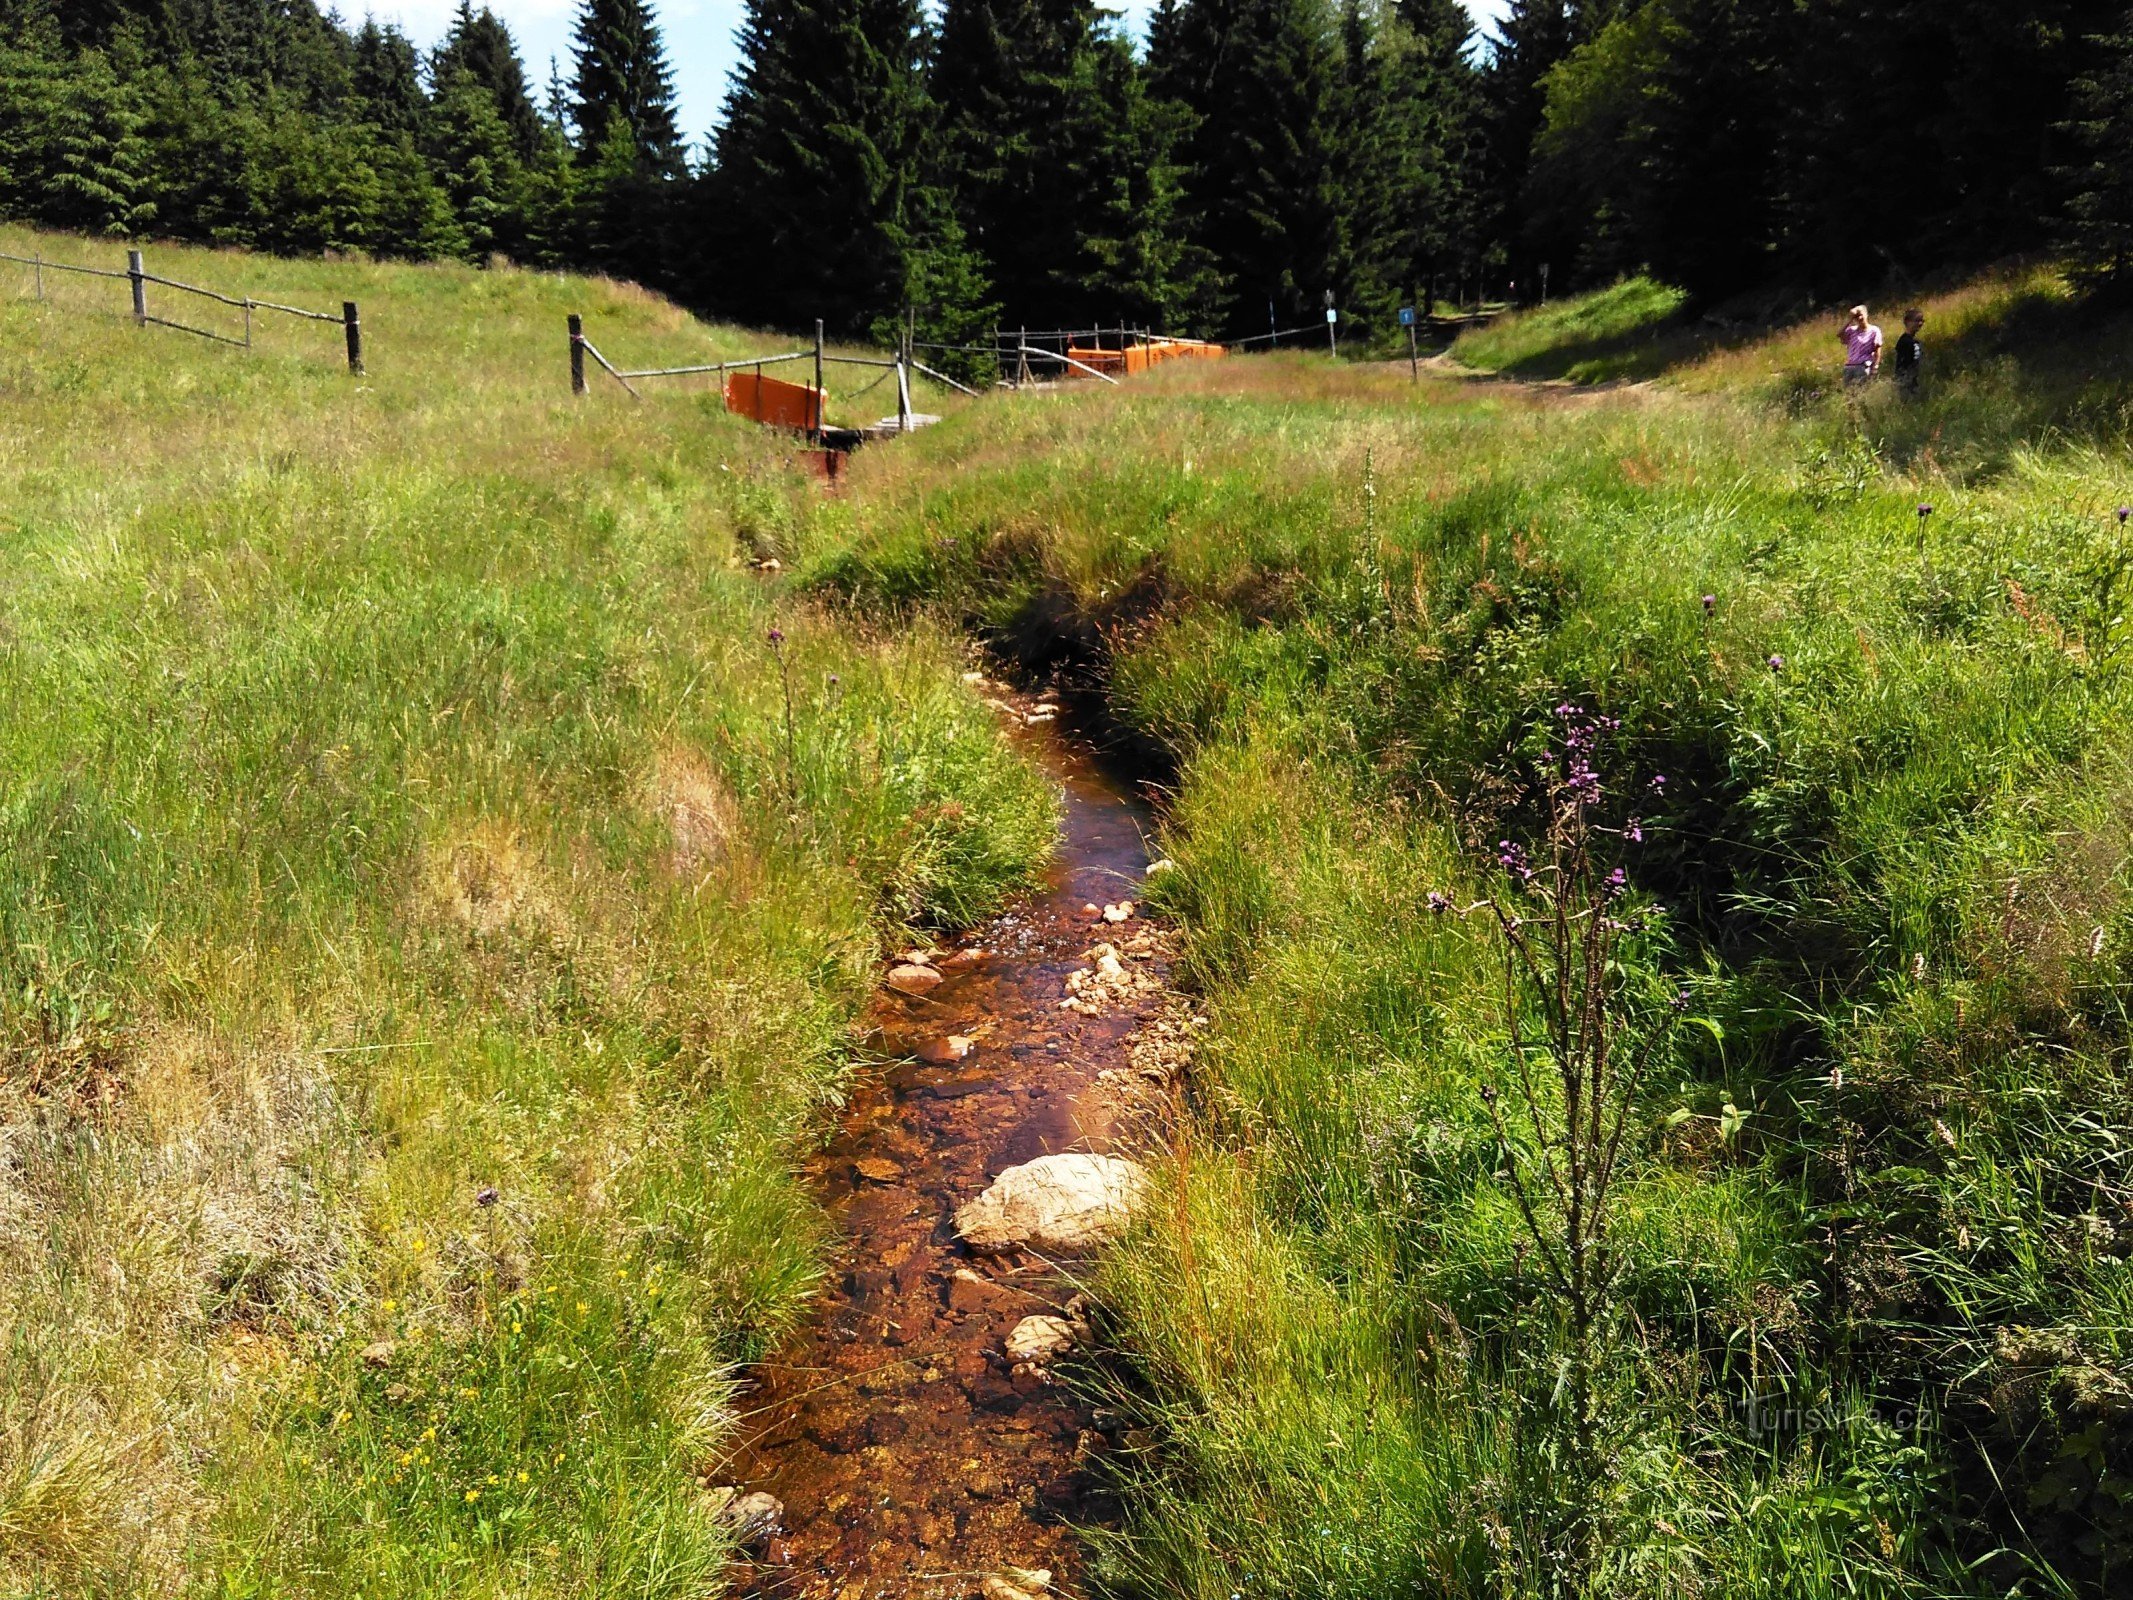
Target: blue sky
<point>699,35</point>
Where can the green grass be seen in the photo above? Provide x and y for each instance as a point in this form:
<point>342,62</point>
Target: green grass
<point>1632,329</point>
<point>1873,1322</point>
<point>402,799</point>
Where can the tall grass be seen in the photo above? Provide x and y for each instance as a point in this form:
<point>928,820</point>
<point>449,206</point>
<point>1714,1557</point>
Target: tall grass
<point>1872,1278</point>
<point>427,937</point>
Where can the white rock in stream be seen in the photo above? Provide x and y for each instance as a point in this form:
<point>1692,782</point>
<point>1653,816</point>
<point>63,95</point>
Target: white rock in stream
<point>1063,1202</point>
<point>1040,1339</point>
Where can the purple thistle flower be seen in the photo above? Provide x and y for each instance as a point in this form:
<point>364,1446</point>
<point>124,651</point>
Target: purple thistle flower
<point>2123,513</point>
<point>835,680</point>
<point>1710,604</point>
<point>1777,663</point>
<point>777,636</point>
<point>1924,511</point>
<point>1439,902</point>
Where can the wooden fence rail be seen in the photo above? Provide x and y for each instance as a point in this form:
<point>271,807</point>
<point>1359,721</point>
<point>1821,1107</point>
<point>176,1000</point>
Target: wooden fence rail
<point>138,278</point>
<point>811,401</point>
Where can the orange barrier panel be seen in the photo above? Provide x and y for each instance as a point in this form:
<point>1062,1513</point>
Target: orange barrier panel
<point>1140,357</point>
<point>774,401</point>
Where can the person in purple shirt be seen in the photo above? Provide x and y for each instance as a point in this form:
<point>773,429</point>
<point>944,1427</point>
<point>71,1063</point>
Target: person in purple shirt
<point>1862,348</point>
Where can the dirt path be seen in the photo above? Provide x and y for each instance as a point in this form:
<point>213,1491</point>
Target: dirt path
<point>913,1458</point>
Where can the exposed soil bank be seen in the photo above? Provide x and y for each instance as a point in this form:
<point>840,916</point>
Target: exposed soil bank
<point>913,1456</point>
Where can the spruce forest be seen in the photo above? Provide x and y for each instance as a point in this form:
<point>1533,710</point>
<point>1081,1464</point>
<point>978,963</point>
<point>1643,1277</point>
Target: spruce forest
<point>1025,161</point>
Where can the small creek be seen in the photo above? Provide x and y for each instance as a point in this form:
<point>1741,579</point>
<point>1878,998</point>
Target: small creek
<point>911,1455</point>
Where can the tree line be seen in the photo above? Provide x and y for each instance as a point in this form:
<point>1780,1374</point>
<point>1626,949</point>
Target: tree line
<point>1827,145</point>
<point>1024,162</point>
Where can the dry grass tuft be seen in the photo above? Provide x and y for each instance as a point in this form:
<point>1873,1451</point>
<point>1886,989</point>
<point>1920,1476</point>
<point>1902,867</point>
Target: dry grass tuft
<point>697,806</point>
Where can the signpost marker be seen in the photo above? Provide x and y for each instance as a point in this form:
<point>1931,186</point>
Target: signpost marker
<point>1414,361</point>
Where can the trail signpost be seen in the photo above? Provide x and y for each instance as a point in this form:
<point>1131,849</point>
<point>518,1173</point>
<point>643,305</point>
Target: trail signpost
<point>1414,361</point>
<point>1333,322</point>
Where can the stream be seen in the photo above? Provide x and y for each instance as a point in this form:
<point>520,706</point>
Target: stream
<point>912,1456</point>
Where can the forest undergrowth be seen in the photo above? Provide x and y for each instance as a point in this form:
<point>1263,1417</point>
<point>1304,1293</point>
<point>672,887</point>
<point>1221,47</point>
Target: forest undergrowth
<point>437,879</point>
<point>1861,1326</point>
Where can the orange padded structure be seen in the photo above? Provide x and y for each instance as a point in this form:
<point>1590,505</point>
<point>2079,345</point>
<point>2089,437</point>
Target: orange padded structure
<point>774,401</point>
<point>1140,357</point>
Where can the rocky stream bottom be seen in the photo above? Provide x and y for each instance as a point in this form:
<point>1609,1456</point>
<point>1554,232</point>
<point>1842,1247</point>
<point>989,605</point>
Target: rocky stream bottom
<point>910,1442</point>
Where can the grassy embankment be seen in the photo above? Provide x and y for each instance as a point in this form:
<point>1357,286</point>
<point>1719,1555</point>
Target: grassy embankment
<point>428,928</point>
<point>1872,1336</point>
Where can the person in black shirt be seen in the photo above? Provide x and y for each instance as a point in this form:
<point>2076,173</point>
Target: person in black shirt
<point>1909,354</point>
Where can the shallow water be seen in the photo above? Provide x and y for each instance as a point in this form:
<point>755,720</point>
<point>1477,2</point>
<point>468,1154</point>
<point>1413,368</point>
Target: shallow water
<point>910,1456</point>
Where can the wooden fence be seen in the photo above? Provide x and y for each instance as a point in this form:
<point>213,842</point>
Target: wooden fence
<point>139,278</point>
<point>802,407</point>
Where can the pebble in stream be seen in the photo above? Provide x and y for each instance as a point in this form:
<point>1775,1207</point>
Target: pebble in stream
<point>914,1455</point>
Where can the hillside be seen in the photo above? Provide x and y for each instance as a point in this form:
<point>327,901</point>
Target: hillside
<point>1841,691</point>
<point>439,878</point>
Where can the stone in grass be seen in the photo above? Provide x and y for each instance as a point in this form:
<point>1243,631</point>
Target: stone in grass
<point>1121,912</point>
<point>1062,1202</point>
<point>751,1518</point>
<point>1040,1339</point>
<point>379,1354</point>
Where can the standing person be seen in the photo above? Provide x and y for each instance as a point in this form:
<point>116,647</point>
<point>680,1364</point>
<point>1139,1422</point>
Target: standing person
<point>1909,356</point>
<point>1862,348</point>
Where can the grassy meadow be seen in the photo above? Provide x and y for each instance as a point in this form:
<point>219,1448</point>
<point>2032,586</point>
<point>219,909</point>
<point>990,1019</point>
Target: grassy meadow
<point>1870,792</point>
<point>438,876</point>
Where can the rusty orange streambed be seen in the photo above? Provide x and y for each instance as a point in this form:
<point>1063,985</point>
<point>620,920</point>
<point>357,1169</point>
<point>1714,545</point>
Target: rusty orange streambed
<point>911,1455</point>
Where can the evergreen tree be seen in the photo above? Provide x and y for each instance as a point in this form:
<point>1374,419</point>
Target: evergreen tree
<point>817,153</point>
<point>2100,208</point>
<point>385,80</point>
<point>476,153</point>
<point>1714,162</point>
<point>1373,169</point>
<point>1133,259</point>
<point>1532,37</point>
<point>479,45</point>
<point>1005,80</point>
<point>1257,78</point>
<point>1438,116</point>
<point>622,75</point>
<point>71,153</point>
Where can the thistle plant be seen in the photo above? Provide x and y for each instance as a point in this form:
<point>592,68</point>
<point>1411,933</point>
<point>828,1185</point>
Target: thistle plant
<point>1580,1041</point>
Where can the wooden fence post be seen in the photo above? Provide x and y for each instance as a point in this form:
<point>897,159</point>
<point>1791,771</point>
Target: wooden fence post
<point>140,288</point>
<point>577,353</point>
<point>353,325</point>
<point>816,431</point>
<point>40,275</point>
